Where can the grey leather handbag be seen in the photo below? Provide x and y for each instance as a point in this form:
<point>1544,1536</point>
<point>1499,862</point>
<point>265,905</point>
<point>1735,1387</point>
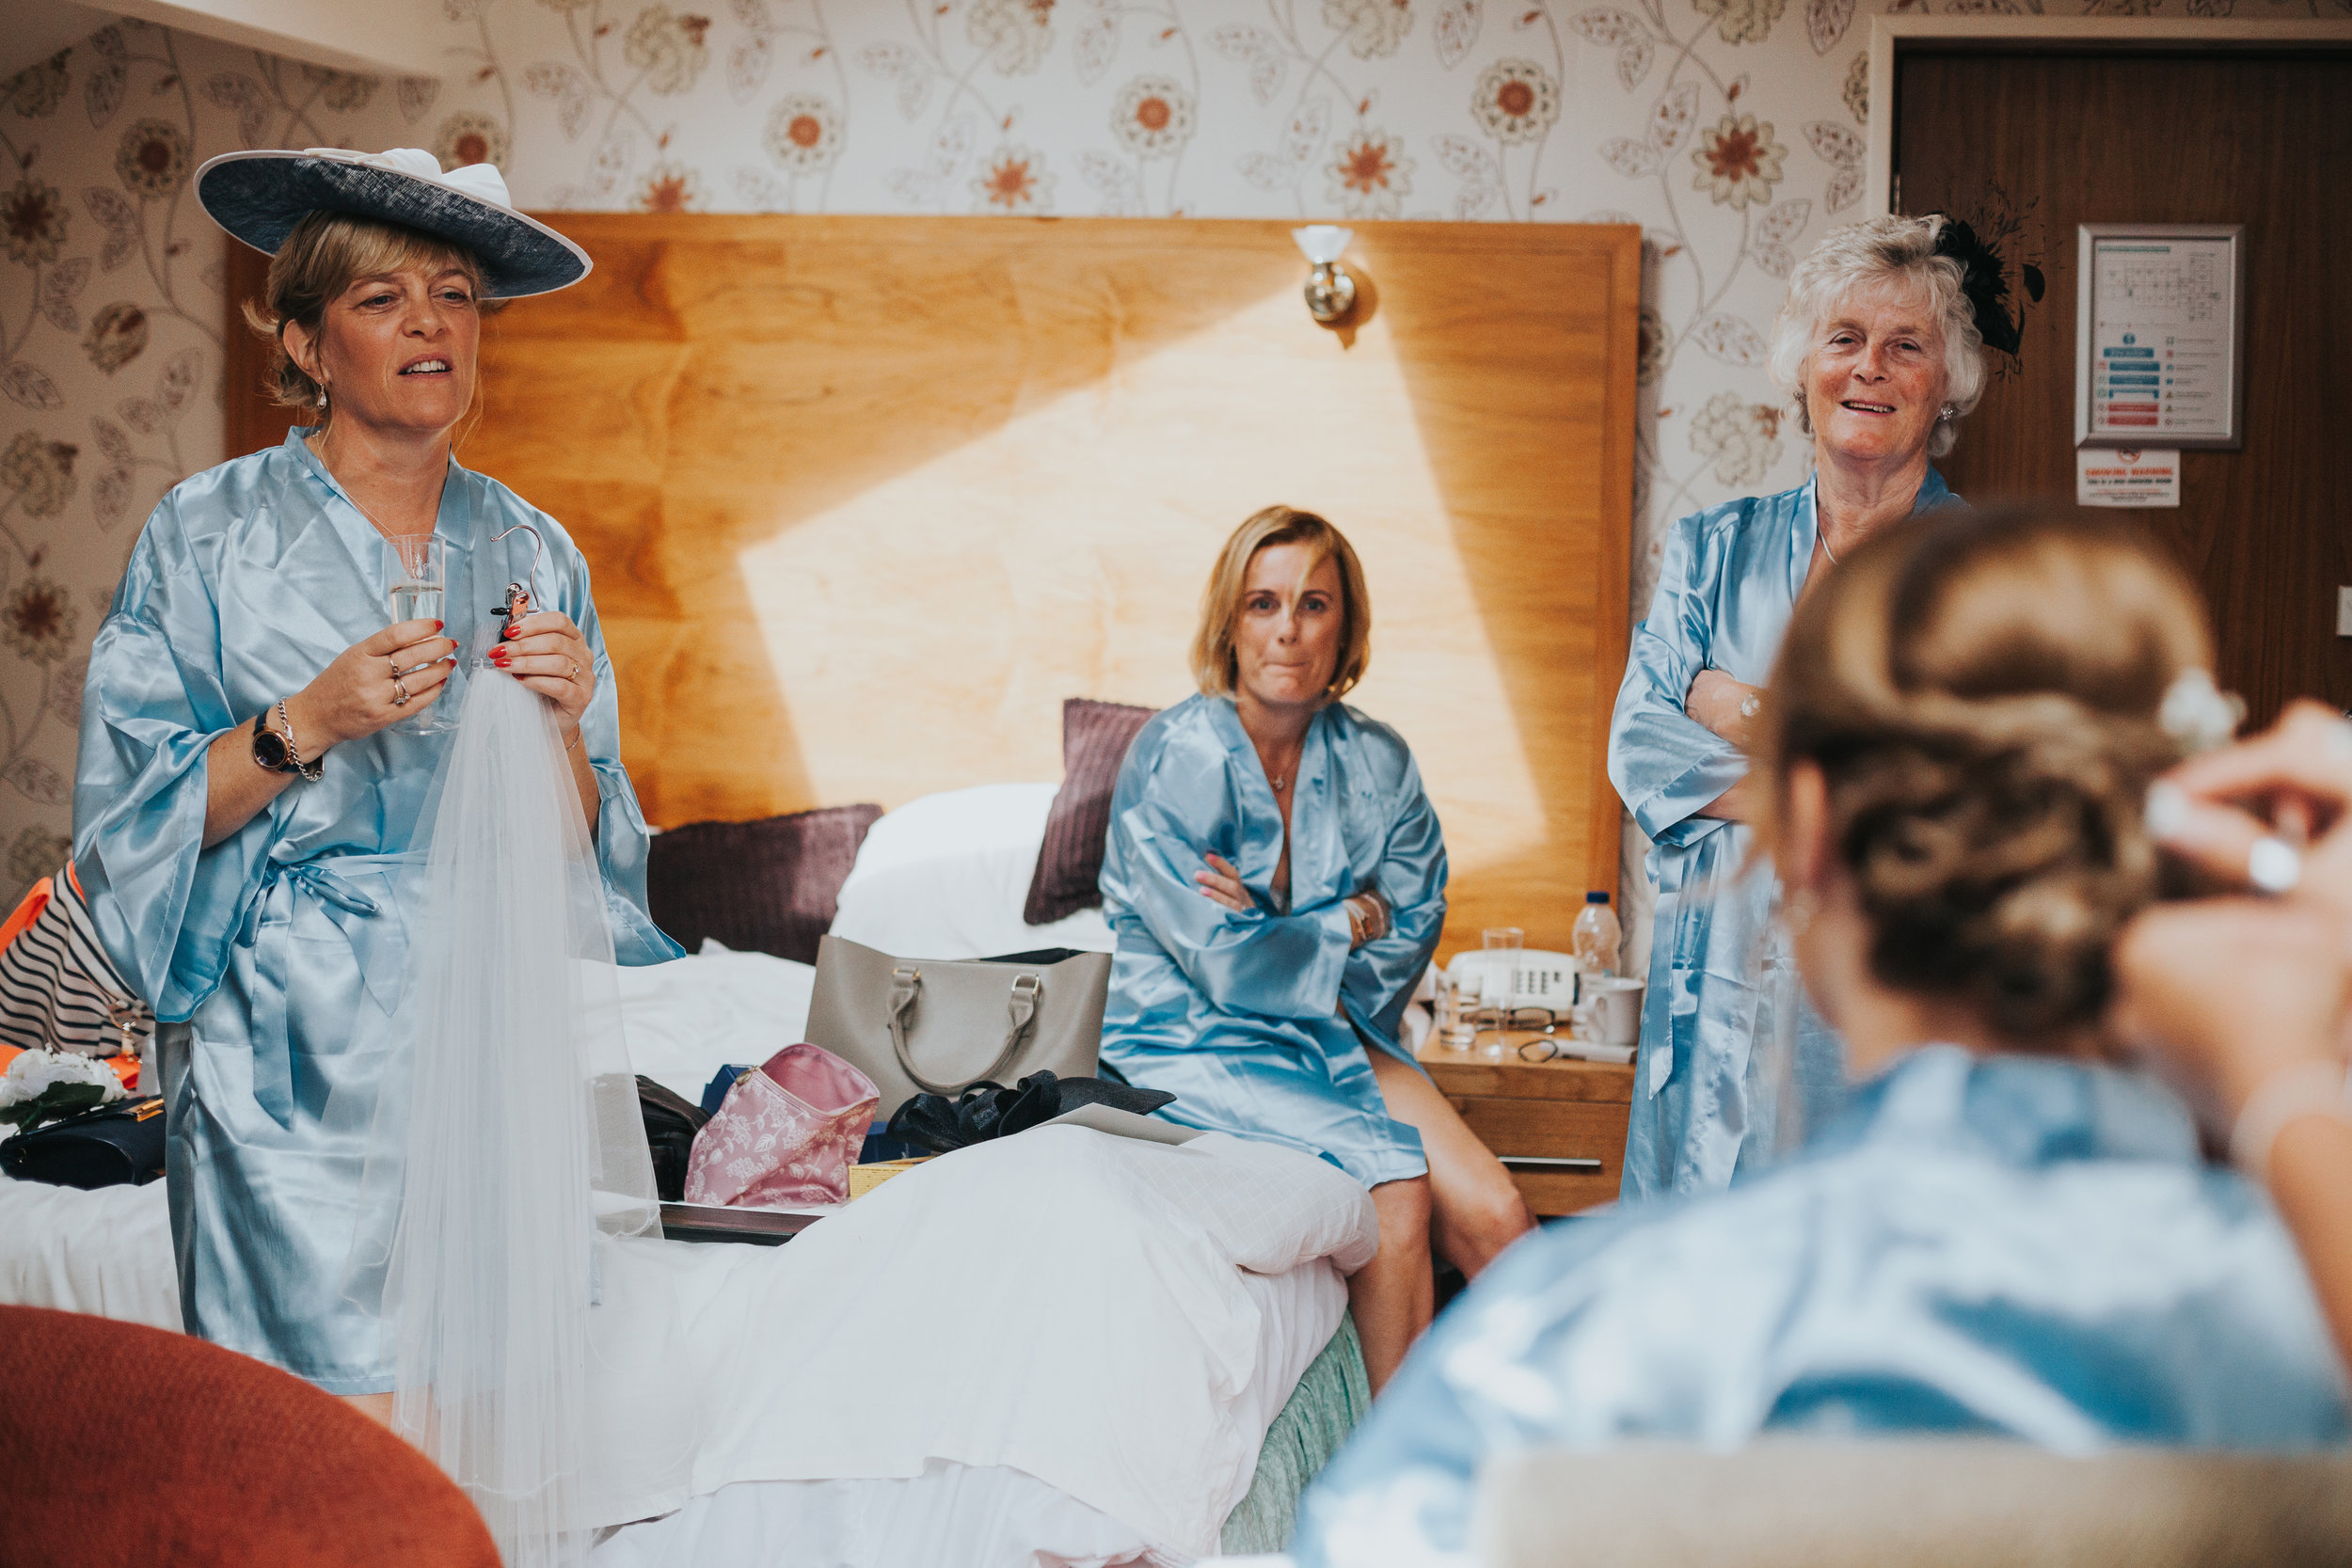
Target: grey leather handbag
<point>939,1026</point>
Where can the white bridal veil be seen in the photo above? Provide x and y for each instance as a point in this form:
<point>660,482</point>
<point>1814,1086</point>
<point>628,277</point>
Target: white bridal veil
<point>511,1148</point>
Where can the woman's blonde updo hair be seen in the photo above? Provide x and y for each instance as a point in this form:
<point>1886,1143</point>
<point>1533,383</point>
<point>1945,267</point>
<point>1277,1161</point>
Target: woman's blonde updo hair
<point>325,255</point>
<point>1853,257</point>
<point>1213,665</point>
<point>1980,693</point>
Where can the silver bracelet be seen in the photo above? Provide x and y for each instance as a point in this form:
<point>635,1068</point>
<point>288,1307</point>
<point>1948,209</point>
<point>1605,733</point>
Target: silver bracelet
<point>2288,1095</point>
<point>311,772</point>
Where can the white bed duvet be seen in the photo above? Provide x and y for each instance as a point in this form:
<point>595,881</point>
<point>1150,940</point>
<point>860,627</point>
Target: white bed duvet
<point>1069,1343</point>
<point>1075,1308</point>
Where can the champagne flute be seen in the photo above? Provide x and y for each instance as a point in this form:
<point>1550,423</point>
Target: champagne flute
<point>418,593</point>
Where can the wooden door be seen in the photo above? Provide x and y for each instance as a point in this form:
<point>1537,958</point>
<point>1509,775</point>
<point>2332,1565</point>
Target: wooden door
<point>2258,138</point>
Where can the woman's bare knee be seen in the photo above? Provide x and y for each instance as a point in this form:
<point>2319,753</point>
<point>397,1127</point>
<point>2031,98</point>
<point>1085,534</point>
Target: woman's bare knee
<point>1502,1217</point>
<point>1405,1209</point>
<point>1477,1229</point>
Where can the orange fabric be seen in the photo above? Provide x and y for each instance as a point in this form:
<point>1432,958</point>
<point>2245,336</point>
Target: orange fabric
<point>27,912</point>
<point>125,1443</point>
<point>10,1054</point>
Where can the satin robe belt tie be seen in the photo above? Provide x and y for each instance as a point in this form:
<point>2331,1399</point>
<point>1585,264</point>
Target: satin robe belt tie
<point>369,921</point>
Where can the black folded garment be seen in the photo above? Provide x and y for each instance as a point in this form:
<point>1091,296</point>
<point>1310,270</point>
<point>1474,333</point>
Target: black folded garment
<point>988,1110</point>
<point>671,1123</point>
<point>121,1146</point>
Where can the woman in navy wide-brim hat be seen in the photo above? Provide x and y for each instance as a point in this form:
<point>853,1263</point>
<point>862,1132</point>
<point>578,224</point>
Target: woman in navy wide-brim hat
<point>243,806</point>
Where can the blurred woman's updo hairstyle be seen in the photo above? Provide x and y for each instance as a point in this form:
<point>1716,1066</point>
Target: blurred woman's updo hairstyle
<point>1213,665</point>
<point>1980,693</point>
<point>325,255</point>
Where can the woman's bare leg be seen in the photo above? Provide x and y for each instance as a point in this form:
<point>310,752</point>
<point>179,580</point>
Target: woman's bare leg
<point>375,1407</point>
<point>1478,1209</point>
<point>1393,1295</point>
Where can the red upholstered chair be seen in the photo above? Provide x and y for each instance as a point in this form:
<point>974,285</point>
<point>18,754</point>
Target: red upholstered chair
<point>121,1444</point>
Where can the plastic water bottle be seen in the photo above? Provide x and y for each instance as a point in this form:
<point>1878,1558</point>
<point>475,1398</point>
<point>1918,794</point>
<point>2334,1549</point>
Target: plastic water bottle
<point>1595,936</point>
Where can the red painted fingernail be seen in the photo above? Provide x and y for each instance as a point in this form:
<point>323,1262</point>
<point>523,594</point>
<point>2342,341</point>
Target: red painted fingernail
<point>438,624</point>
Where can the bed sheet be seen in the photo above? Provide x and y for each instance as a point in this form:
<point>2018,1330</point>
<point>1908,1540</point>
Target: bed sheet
<point>1150,1279</point>
<point>1023,1299</point>
<point>686,1019</point>
<point>107,1252</point>
<point>960,1515</point>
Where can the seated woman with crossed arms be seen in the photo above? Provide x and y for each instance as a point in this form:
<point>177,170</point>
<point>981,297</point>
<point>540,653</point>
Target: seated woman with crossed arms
<point>1277,881</point>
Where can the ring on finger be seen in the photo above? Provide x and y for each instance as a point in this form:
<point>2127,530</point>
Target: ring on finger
<point>2274,865</point>
<point>400,691</point>
<point>574,674</point>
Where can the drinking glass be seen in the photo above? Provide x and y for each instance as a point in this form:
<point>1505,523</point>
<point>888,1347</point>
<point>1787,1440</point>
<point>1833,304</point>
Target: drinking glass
<point>419,592</point>
<point>1457,1001</point>
<point>1499,983</point>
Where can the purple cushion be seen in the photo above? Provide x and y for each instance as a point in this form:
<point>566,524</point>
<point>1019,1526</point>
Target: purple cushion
<point>770,886</point>
<point>1094,741</point>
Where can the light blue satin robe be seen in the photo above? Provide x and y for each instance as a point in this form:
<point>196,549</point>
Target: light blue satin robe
<point>1707,1104</point>
<point>1258,1022</point>
<point>2011,1247</point>
<point>283,946</point>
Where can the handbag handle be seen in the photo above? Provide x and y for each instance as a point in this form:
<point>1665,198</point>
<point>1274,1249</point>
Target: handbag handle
<point>906,984</point>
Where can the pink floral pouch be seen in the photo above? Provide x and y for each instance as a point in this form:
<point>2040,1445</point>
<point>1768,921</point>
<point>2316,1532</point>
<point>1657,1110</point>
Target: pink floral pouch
<point>785,1135</point>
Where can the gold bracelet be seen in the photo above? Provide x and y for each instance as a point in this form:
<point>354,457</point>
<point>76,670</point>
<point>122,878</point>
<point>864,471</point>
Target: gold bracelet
<point>574,741</point>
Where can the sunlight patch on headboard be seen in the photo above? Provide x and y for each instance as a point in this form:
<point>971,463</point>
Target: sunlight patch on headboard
<point>1073,542</point>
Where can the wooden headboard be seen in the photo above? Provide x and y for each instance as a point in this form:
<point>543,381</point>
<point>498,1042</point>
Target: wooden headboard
<point>866,498</point>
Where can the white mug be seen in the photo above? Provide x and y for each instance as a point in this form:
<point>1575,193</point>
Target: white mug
<point>1608,1009</point>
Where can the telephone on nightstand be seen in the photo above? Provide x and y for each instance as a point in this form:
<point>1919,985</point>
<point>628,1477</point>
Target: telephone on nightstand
<point>1540,979</point>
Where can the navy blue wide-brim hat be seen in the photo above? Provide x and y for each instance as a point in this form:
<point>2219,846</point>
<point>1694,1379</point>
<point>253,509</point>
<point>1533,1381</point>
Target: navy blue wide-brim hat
<point>260,197</point>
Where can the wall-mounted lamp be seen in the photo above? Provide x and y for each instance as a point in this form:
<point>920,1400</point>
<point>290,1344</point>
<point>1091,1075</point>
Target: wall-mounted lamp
<point>1330,291</point>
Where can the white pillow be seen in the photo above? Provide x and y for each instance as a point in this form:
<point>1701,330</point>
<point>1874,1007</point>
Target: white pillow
<point>945,876</point>
<point>686,1019</point>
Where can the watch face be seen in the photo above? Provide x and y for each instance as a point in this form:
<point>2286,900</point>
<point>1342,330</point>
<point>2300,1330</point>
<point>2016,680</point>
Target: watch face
<point>269,749</point>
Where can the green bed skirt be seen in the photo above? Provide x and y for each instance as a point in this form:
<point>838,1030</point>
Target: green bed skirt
<point>1325,1407</point>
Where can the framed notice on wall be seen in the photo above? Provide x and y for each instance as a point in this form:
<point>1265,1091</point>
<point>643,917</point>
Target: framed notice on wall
<point>2160,327</point>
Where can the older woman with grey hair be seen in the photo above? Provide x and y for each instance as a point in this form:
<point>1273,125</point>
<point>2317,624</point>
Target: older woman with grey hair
<point>1881,348</point>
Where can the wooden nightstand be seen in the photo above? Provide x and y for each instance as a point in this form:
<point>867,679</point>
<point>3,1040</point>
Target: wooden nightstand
<point>1561,1111</point>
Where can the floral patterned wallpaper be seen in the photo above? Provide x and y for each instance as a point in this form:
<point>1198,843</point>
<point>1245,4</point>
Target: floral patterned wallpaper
<point>1731,130</point>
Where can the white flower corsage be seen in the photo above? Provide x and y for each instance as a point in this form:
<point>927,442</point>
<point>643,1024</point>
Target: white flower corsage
<point>48,1085</point>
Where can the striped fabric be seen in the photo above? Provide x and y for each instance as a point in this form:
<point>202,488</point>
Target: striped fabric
<point>57,987</point>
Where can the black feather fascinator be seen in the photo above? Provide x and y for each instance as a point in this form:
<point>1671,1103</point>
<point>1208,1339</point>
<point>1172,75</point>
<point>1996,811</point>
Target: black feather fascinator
<point>1985,279</point>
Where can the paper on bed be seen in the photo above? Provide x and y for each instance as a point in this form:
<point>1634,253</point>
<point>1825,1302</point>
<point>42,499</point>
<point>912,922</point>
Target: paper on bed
<point>1060,1301</point>
<point>1121,1124</point>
